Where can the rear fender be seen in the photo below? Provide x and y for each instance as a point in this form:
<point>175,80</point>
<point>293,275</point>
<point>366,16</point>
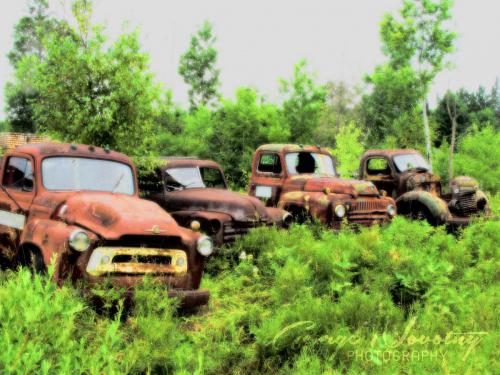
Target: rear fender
<point>436,206</point>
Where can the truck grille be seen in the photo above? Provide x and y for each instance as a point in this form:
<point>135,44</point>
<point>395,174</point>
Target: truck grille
<point>367,212</point>
<point>160,242</point>
<point>366,206</point>
<point>466,203</point>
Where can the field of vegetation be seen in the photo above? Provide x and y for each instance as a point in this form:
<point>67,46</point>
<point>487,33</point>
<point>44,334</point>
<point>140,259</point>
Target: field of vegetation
<point>404,298</point>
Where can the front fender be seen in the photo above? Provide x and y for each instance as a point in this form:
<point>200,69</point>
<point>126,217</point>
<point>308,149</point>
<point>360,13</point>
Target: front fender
<point>436,206</point>
<point>50,236</point>
<point>317,204</point>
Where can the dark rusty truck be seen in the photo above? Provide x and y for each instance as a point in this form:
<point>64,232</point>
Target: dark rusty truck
<point>78,206</point>
<point>303,181</point>
<point>406,176</point>
<point>195,193</point>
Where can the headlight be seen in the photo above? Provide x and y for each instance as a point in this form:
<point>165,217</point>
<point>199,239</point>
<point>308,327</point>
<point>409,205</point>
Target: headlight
<point>79,240</point>
<point>391,210</point>
<point>195,225</point>
<point>205,246</point>
<point>455,190</point>
<point>340,210</point>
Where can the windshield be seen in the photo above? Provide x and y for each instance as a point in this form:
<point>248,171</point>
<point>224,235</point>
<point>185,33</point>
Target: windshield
<point>76,173</point>
<point>409,161</point>
<point>309,162</point>
<point>194,177</point>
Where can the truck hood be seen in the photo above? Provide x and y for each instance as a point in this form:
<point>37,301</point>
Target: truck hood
<point>240,207</point>
<point>336,185</point>
<point>413,179</point>
<point>114,215</point>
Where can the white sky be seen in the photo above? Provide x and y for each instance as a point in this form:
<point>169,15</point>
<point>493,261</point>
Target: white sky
<point>259,41</point>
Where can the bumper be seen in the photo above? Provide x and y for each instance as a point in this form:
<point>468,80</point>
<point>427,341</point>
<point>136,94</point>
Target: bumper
<point>124,268</point>
<point>190,298</point>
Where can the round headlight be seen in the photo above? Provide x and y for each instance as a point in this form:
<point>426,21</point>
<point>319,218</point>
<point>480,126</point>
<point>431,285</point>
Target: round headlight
<point>456,190</point>
<point>195,225</point>
<point>340,210</point>
<point>391,210</point>
<point>205,246</point>
<point>79,240</point>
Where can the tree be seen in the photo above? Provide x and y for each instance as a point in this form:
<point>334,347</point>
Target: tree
<point>241,126</point>
<point>480,108</point>
<point>303,103</point>
<point>95,92</point>
<point>391,108</point>
<point>341,107</point>
<point>421,40</point>
<point>197,68</point>
<point>348,150</point>
<point>453,113</point>
<point>29,35</point>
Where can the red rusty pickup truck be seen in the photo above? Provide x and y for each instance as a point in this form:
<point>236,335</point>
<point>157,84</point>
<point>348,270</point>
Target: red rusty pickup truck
<point>78,206</point>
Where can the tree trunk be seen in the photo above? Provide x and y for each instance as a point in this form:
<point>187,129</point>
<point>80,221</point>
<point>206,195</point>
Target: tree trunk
<point>427,133</point>
<point>453,117</point>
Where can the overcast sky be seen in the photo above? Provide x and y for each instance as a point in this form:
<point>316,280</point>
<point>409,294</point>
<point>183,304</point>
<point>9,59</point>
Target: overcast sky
<point>259,41</point>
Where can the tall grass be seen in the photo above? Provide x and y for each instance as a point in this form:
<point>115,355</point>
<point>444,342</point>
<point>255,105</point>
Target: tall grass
<point>397,299</point>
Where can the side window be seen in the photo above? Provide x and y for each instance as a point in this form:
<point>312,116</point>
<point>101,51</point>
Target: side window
<point>18,174</point>
<point>378,167</point>
<point>269,163</point>
<point>212,178</point>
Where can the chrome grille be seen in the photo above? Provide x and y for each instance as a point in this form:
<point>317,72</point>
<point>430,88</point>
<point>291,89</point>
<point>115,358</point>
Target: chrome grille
<point>466,203</point>
<point>368,206</point>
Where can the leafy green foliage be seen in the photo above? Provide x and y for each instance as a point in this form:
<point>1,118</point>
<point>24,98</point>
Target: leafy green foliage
<point>96,92</point>
<point>479,155</point>
<point>29,35</point>
<point>346,302</point>
<point>480,108</point>
<point>197,67</point>
<point>241,126</point>
<point>303,103</point>
<point>348,150</point>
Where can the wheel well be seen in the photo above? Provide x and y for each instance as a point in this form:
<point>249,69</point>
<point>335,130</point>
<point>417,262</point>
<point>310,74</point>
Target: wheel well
<point>414,208</point>
<point>299,213</point>
<point>24,256</point>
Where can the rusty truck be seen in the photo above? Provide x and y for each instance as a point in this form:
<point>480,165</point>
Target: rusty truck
<point>78,206</point>
<point>195,192</point>
<point>406,176</point>
<point>303,180</point>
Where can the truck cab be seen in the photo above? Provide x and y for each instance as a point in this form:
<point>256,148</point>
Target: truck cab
<point>196,194</point>
<point>78,206</point>
<point>303,180</point>
<point>406,176</point>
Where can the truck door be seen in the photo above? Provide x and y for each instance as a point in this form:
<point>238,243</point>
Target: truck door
<point>15,201</point>
<point>378,170</point>
<point>267,177</point>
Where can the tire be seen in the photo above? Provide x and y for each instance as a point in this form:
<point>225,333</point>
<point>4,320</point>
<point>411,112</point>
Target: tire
<point>422,213</point>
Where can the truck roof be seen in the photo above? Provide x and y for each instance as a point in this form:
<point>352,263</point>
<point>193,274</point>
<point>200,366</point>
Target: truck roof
<point>179,162</point>
<point>67,149</point>
<point>389,153</point>
<point>279,147</point>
